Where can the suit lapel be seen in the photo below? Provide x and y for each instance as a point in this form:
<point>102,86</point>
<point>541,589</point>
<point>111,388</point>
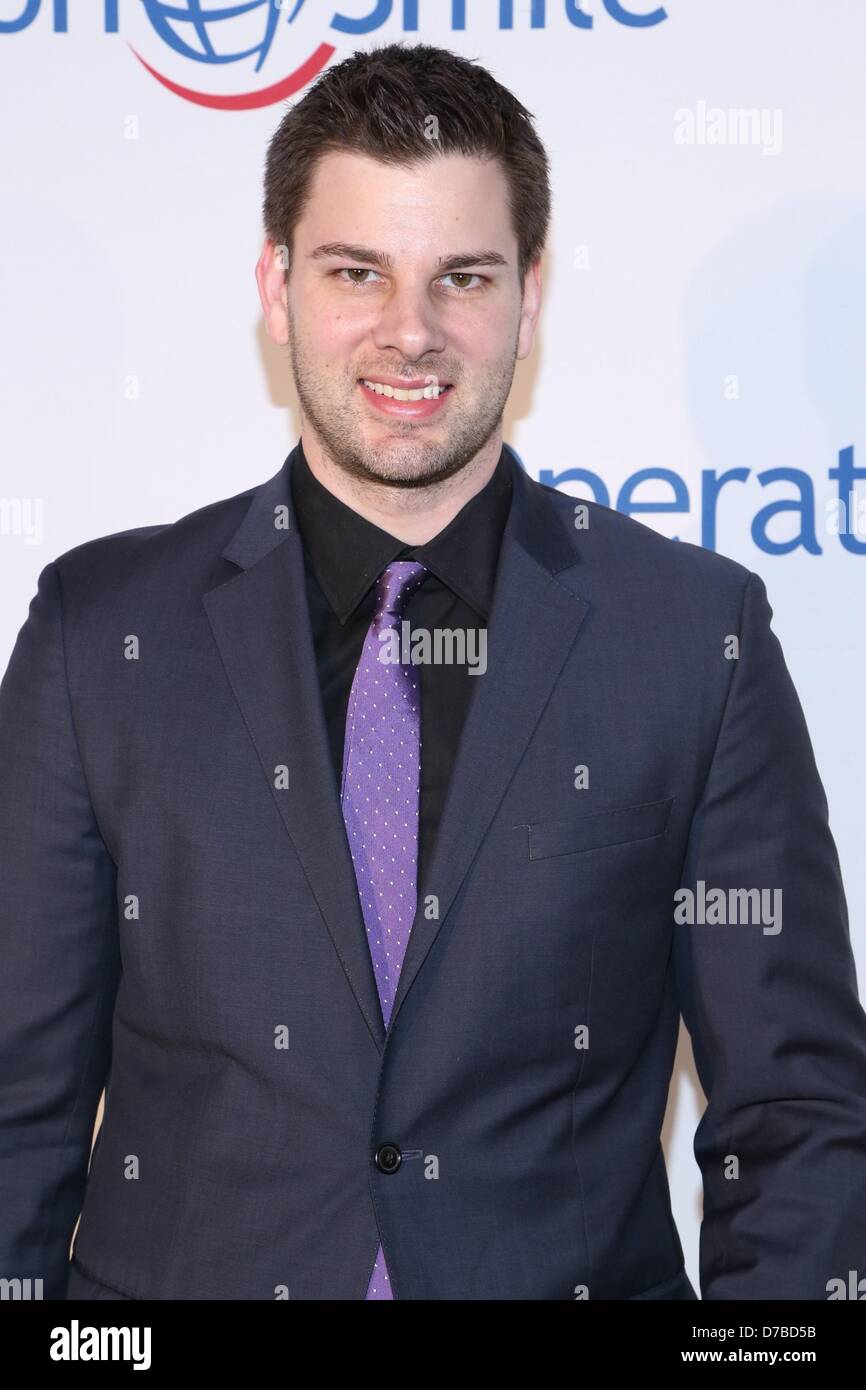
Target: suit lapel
<point>533,624</point>
<point>260,622</point>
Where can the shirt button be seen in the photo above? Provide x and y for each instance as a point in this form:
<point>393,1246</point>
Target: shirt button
<point>388,1158</point>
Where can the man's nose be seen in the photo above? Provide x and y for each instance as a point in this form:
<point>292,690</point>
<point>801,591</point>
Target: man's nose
<point>409,323</point>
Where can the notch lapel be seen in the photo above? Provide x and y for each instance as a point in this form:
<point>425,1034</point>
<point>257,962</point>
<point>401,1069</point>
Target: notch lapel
<point>535,617</point>
<point>260,621</point>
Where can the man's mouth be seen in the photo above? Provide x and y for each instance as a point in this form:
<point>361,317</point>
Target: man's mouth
<point>429,392</point>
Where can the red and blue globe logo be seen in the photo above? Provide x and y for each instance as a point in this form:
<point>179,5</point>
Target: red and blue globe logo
<point>231,33</point>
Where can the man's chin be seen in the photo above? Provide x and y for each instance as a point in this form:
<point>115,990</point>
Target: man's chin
<point>399,469</point>
<point>400,472</point>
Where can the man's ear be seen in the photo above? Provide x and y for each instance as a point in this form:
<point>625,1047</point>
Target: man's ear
<point>271,279</point>
<point>530,310</point>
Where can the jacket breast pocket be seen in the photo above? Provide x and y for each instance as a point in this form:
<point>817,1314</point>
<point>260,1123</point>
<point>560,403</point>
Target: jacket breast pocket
<point>599,829</point>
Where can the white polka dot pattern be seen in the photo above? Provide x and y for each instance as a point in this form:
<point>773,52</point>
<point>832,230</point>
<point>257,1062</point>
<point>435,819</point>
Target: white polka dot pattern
<point>380,799</point>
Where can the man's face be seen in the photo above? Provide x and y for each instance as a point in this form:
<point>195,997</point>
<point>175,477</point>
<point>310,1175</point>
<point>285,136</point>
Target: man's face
<point>349,316</point>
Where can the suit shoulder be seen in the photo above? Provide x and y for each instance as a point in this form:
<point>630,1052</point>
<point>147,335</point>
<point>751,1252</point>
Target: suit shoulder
<point>633,546</point>
<point>193,542</point>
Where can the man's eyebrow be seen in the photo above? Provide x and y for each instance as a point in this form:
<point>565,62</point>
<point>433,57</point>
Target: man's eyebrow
<point>345,250</point>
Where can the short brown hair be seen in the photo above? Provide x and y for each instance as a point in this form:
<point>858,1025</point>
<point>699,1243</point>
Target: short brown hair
<point>380,103</point>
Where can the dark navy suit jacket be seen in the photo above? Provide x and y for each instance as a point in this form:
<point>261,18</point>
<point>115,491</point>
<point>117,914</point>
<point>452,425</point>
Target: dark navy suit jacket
<point>179,919</point>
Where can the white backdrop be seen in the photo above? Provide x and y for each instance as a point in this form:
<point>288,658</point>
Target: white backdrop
<point>704,300</point>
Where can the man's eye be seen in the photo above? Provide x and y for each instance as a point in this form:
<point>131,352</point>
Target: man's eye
<point>462,275</point>
<point>356,270</point>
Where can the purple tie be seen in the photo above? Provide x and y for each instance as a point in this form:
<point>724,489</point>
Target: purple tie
<point>380,797</point>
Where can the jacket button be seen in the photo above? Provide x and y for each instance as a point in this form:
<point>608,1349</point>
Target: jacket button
<point>388,1158</point>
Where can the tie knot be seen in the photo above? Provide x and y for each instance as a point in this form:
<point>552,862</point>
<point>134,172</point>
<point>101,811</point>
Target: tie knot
<point>396,585</point>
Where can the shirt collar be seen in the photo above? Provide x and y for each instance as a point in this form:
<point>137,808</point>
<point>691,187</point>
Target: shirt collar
<point>347,553</point>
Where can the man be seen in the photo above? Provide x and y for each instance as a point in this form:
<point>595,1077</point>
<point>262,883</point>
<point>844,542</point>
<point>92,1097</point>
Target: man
<point>391,1016</point>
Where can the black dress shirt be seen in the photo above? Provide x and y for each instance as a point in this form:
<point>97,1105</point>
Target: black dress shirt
<point>344,554</point>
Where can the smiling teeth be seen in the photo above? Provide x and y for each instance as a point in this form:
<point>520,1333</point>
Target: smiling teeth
<point>428,393</point>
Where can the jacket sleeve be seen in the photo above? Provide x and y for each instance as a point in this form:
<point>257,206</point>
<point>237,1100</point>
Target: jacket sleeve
<point>778,1032</point>
<point>59,963</point>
